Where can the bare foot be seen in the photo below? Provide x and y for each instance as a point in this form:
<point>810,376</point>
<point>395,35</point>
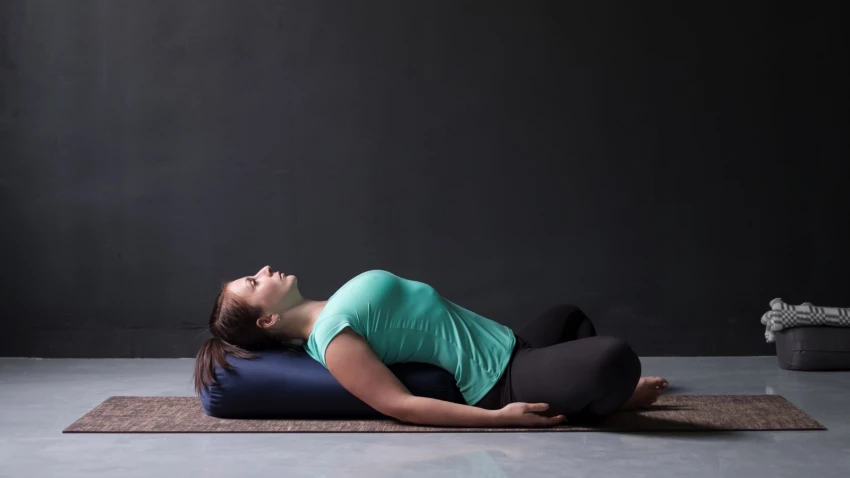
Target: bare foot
<point>646,393</point>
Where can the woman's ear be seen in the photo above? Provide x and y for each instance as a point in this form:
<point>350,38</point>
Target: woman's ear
<point>268,321</point>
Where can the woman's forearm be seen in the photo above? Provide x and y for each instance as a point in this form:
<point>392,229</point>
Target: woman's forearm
<point>430,411</point>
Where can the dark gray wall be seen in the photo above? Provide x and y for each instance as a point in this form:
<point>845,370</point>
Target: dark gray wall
<point>670,169</point>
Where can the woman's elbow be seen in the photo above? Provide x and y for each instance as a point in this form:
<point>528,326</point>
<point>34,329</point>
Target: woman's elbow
<point>401,409</point>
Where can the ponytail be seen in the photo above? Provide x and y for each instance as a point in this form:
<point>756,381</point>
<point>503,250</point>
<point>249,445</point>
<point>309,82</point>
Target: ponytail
<point>213,353</point>
<point>235,320</point>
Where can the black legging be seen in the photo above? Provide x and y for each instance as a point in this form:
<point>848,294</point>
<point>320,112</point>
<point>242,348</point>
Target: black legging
<point>561,361</point>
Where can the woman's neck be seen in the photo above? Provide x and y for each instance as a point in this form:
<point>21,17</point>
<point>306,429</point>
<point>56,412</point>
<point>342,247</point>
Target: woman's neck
<point>297,322</point>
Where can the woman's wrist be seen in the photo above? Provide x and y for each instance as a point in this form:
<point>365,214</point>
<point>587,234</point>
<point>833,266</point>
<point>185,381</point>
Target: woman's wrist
<point>497,418</point>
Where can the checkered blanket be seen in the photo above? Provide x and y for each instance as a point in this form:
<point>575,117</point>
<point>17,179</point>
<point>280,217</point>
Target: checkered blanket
<point>784,316</point>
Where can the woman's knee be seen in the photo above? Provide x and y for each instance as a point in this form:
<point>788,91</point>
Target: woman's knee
<point>617,358</point>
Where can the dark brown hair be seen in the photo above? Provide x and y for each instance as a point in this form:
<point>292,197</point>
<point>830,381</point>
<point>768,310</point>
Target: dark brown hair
<point>233,324</point>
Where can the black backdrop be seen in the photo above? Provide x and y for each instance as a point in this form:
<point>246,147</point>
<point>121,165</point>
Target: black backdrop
<point>669,168</point>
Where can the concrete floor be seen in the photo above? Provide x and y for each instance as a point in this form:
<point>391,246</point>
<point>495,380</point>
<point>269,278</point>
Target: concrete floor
<point>40,397</point>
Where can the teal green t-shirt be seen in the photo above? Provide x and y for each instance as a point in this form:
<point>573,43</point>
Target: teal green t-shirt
<point>409,321</point>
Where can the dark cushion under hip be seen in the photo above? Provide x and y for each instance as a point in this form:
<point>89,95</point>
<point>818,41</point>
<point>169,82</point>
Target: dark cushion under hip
<point>813,348</point>
<point>286,384</point>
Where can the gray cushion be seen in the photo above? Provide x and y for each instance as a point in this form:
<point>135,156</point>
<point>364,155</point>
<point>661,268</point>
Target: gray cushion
<point>813,348</point>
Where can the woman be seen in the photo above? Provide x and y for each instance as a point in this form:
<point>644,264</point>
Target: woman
<point>555,368</point>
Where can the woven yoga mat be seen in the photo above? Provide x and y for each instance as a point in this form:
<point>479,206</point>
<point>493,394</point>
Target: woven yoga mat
<point>669,413</point>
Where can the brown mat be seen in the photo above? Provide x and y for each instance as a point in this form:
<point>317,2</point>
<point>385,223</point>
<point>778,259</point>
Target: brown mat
<point>669,413</point>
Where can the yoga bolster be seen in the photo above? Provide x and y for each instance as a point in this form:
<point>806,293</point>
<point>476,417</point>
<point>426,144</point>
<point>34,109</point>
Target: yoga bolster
<point>286,384</point>
<point>813,348</point>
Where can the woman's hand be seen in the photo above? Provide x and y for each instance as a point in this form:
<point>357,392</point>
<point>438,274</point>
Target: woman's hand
<point>526,415</point>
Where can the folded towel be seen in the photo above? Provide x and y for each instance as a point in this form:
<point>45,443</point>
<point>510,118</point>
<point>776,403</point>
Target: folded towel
<point>784,316</point>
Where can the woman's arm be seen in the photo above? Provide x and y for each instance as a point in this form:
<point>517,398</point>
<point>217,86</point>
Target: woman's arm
<point>354,364</point>
<point>430,411</point>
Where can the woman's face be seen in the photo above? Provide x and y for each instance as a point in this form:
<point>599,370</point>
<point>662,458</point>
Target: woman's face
<point>273,291</point>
